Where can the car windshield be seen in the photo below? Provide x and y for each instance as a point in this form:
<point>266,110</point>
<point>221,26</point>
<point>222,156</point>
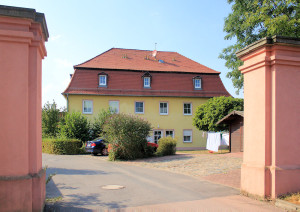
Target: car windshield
<point>100,138</point>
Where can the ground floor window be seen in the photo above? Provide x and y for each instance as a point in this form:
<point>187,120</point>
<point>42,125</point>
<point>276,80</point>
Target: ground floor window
<point>170,133</point>
<point>187,136</point>
<point>157,134</point>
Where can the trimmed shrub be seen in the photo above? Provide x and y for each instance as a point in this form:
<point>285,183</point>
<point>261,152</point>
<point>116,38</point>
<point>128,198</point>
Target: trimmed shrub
<point>127,135</point>
<point>76,126</point>
<point>61,146</point>
<point>166,146</point>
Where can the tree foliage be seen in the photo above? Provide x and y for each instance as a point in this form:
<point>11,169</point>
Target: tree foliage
<point>50,120</point>
<point>208,114</point>
<point>252,20</point>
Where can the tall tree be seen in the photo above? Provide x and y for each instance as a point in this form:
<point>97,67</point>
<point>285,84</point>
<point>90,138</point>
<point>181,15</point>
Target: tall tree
<point>252,20</point>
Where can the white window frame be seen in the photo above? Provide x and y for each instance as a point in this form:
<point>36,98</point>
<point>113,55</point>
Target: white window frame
<point>196,85</point>
<point>87,112</point>
<point>118,110</point>
<point>148,80</point>
<point>169,131</point>
<point>162,135</point>
<point>167,108</point>
<point>105,79</point>
<point>187,133</point>
<point>136,107</point>
<point>191,107</point>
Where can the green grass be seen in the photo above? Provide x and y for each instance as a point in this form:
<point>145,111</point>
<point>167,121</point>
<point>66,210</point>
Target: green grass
<point>53,199</point>
<point>293,198</point>
<point>223,151</point>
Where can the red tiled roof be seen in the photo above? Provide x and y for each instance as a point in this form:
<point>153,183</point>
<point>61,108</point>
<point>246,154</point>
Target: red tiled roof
<point>130,83</point>
<point>130,59</point>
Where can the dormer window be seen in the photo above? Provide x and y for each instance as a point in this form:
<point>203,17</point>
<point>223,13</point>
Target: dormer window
<point>147,80</point>
<point>197,83</point>
<point>102,79</point>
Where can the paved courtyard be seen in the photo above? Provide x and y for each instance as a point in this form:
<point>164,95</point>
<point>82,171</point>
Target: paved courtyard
<point>81,183</point>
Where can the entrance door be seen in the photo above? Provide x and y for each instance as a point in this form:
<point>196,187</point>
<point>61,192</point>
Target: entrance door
<point>157,135</point>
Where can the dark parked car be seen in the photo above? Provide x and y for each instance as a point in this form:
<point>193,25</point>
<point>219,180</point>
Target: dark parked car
<point>96,146</point>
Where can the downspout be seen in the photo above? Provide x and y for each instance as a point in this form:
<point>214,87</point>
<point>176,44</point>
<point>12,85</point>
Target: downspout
<point>67,102</point>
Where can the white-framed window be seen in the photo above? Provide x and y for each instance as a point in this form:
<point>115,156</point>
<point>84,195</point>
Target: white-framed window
<point>170,133</point>
<point>157,134</point>
<point>147,83</point>
<point>87,106</point>
<point>187,108</point>
<point>187,136</point>
<point>197,83</point>
<point>163,108</point>
<point>139,107</point>
<point>102,80</point>
<point>114,106</point>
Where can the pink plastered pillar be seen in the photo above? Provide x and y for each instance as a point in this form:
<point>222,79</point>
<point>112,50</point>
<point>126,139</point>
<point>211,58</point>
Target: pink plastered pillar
<point>271,163</point>
<point>22,47</point>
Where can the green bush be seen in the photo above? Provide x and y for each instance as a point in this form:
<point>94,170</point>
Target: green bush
<point>99,121</point>
<point>127,136</point>
<point>76,126</point>
<point>166,146</point>
<point>61,146</point>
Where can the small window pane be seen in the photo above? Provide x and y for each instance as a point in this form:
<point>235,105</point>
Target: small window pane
<point>147,82</point>
<point>187,136</point>
<point>102,80</point>
<point>163,108</point>
<point>170,133</point>
<point>87,106</point>
<point>139,107</point>
<point>157,135</point>
<point>114,106</point>
<point>187,108</point>
<point>197,83</point>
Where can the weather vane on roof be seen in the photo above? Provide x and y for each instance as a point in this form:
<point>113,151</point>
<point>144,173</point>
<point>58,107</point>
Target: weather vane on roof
<point>155,46</point>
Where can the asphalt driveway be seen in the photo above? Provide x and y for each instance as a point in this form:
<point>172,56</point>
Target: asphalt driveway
<point>82,180</point>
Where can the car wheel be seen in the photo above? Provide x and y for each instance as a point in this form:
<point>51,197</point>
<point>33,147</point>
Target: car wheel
<point>105,152</point>
<point>94,153</point>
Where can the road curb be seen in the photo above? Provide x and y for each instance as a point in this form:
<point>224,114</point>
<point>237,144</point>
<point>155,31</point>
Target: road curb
<point>287,205</point>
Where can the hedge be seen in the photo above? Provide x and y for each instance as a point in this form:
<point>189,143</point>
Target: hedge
<point>166,146</point>
<point>61,146</point>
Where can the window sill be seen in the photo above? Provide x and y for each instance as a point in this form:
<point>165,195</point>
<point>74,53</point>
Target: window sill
<point>187,114</point>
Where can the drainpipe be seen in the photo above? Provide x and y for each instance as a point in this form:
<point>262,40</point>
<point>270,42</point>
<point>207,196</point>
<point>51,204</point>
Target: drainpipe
<point>67,102</point>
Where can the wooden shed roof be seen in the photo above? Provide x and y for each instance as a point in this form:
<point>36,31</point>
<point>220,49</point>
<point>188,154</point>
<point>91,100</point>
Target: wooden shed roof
<point>231,116</point>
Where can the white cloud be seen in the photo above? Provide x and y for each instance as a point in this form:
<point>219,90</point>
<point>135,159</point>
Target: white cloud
<point>54,38</point>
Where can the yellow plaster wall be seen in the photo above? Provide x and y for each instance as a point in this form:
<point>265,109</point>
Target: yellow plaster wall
<point>175,120</point>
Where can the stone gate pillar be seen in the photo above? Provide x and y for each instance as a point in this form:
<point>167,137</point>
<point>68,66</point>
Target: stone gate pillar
<point>271,164</point>
<point>23,33</point>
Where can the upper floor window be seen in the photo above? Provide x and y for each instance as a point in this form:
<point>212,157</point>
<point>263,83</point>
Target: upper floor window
<point>147,82</point>
<point>114,106</point>
<point>163,108</point>
<point>139,107</point>
<point>87,106</point>
<point>187,108</point>
<point>102,79</point>
<point>197,83</point>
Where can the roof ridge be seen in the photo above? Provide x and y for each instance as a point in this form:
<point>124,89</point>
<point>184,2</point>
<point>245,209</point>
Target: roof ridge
<point>143,50</point>
<point>94,57</point>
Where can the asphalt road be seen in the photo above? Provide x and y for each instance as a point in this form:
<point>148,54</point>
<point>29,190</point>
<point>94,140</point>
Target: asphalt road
<point>80,180</point>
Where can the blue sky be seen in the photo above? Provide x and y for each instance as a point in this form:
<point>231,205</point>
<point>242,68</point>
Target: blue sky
<point>80,30</point>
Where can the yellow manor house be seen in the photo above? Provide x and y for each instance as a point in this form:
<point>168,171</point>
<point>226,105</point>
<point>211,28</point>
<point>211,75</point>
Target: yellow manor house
<point>165,88</point>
